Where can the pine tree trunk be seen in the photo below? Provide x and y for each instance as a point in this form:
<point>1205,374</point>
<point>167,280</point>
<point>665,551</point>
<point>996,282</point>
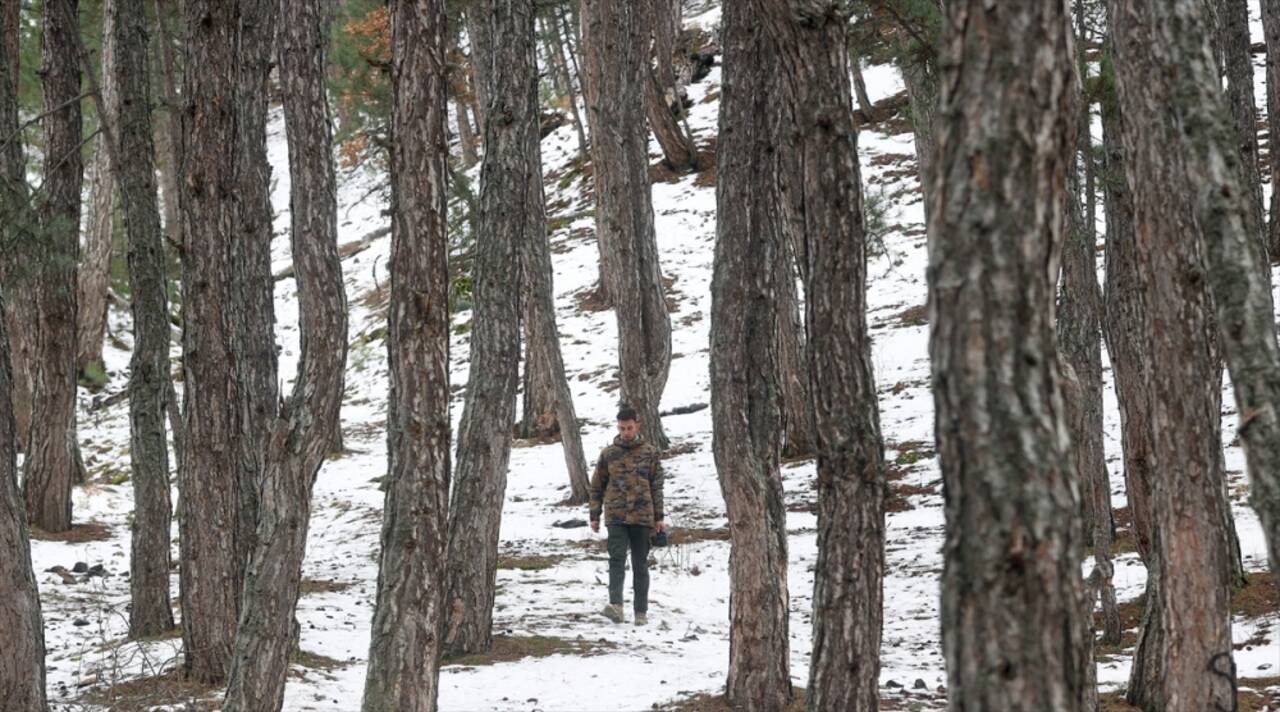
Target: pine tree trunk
<point>466,135</point>
<point>1271,33</point>
<point>478,37</point>
<point>484,433</point>
<point>169,140</point>
<point>819,177</point>
<point>616,68</point>
<point>302,433</point>
<point>149,382</point>
<point>560,69</point>
<point>95,263</point>
<point>860,86</point>
<point>22,677</point>
<point>210,529</point>
<point>408,621</point>
<point>1237,52</point>
<point>797,408</point>
<point>660,95</point>
<point>1014,620</point>
<point>51,463</point>
<point>16,273</point>
<point>746,393</point>
<point>1159,68</point>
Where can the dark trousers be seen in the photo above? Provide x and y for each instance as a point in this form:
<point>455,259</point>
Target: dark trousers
<point>622,537</point>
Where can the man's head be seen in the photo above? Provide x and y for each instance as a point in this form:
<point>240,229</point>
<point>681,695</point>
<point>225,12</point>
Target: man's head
<point>628,423</point>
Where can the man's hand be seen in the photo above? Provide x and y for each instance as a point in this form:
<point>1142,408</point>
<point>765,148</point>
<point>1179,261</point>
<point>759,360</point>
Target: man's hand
<point>659,525</point>
<point>595,525</point>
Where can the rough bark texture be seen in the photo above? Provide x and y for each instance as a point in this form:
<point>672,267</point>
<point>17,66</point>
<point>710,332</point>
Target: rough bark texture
<point>484,433</point>
<point>95,262</point>
<point>1238,56</point>
<point>408,630</point>
<point>1271,33</point>
<point>210,533</point>
<point>19,223</point>
<point>169,140</point>
<point>746,393</point>
<point>1079,320</point>
<point>660,91</point>
<point>1166,77</point>
<point>51,463</point>
<point>1014,628</point>
<point>616,68</point>
<point>822,198</point>
<point>799,438</point>
<point>302,430</point>
<point>149,383</point>
<point>560,69</point>
<point>22,674</point>
<point>478,38</point>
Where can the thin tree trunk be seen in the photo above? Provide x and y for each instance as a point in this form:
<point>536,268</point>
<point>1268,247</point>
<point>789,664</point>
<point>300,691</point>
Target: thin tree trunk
<point>22,676</point>
<point>746,393</point>
<point>860,86</point>
<point>149,381</point>
<point>478,37</point>
<point>408,630</point>
<point>466,135</point>
<point>818,143</point>
<point>17,271</point>
<point>800,436</point>
<point>484,433</point>
<point>1159,67</point>
<point>1014,626</point>
<point>1271,33</point>
<point>617,68</point>
<point>170,145</point>
<point>302,432</point>
<point>660,95</point>
<point>51,459</point>
<point>210,474</point>
<point>95,263</point>
<point>1237,52</point>
<point>560,69</point>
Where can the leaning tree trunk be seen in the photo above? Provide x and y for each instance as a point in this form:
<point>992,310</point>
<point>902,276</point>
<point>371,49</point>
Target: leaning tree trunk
<point>51,463</point>
<point>1014,627</point>
<point>1238,55</point>
<point>484,433</point>
<point>210,472</point>
<point>616,68</point>
<point>302,431</point>
<point>819,179</point>
<point>1271,33</point>
<point>16,272</point>
<point>22,675</point>
<point>659,88</point>
<point>408,620</point>
<point>95,265</point>
<point>746,393</point>
<point>149,382</point>
<point>1161,64</point>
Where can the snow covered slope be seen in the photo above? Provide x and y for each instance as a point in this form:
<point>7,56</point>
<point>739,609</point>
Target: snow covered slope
<point>556,583</point>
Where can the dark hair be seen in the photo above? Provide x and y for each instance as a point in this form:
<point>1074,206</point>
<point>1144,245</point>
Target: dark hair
<point>626,412</point>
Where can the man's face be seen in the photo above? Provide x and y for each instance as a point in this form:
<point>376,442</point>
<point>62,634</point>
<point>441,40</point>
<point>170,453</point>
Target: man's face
<point>628,429</point>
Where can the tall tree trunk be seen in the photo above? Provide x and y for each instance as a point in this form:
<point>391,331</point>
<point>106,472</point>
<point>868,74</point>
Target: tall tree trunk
<point>746,393</point>
<point>302,431</point>
<point>17,270</point>
<point>1190,544</point>
<point>1014,626</point>
<point>484,433</point>
<point>169,140</point>
<point>22,676</point>
<point>819,175</point>
<point>800,437</point>
<point>560,69</point>
<point>616,60</point>
<point>95,263</point>
<point>467,139</point>
<point>51,458</point>
<point>478,38</point>
<point>149,380</point>
<point>211,529</point>
<point>1271,33</point>
<point>408,621</point>
<point>1238,55</point>
<point>860,86</point>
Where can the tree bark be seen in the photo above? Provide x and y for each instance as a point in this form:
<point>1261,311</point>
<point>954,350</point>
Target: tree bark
<point>478,38</point>
<point>484,433</point>
<point>1014,626</point>
<point>746,393</point>
<point>169,142</point>
<point>821,195</point>
<point>616,65</point>
<point>1190,545</point>
<point>149,382</point>
<point>660,94</point>
<point>1238,56</point>
<point>1271,33</point>
<point>95,263</point>
<point>302,431</point>
<point>797,408</point>
<point>560,68</point>
<point>22,672</point>
<point>17,270</point>
<point>404,655</point>
<point>467,139</point>
<point>51,462</point>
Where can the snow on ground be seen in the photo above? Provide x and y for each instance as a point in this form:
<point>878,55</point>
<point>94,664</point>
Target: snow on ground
<point>684,650</point>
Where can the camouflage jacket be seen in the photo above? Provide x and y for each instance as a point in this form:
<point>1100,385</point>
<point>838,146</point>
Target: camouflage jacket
<point>628,484</point>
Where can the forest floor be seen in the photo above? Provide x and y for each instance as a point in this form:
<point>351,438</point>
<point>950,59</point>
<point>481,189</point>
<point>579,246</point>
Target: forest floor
<point>553,651</point>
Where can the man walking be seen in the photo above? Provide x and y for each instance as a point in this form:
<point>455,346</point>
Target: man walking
<point>628,485</point>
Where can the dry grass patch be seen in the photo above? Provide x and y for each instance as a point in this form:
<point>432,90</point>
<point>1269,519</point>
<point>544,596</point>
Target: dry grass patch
<point>681,535</point>
<point>510,648</point>
<point>1254,695</point>
<point>144,693</point>
<point>77,534</point>
<point>1258,597</point>
<point>528,562</point>
<point>313,586</point>
<point>912,316</point>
